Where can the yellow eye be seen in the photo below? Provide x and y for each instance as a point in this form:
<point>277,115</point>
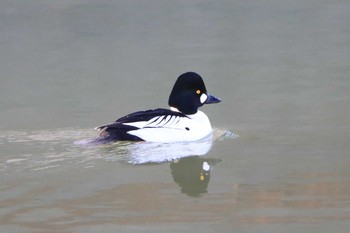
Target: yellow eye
<point>198,92</point>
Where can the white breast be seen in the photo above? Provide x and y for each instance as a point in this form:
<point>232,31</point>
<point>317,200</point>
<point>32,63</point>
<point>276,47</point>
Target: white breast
<point>173,128</point>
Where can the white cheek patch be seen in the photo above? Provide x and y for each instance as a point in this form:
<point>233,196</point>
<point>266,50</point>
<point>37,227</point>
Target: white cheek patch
<point>203,98</point>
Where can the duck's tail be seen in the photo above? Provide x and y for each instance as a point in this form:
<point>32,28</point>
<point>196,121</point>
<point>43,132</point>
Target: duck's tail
<point>109,135</point>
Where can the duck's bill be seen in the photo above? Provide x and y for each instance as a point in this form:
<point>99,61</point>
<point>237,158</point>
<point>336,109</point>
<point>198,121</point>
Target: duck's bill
<point>212,99</point>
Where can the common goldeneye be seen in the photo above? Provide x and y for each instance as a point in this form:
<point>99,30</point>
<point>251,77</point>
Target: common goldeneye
<point>182,123</point>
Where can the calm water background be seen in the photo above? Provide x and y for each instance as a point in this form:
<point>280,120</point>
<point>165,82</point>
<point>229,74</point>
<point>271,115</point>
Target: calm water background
<point>280,67</point>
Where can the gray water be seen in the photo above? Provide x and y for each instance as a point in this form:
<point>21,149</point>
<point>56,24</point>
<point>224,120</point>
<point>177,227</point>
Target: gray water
<point>280,158</point>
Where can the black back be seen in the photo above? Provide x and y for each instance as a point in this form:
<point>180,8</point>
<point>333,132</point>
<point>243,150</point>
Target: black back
<point>117,131</point>
<point>148,115</point>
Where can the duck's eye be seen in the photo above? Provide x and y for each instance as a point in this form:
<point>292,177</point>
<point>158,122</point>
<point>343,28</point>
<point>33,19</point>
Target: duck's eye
<point>198,92</point>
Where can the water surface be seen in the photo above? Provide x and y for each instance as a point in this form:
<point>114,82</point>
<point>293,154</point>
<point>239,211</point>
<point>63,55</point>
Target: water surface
<point>280,67</point>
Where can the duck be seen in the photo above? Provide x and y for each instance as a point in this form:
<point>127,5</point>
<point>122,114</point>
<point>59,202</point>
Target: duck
<point>183,122</point>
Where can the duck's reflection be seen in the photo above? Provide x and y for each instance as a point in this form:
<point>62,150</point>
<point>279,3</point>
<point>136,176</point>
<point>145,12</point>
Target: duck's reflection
<point>189,170</point>
<point>192,174</point>
<point>146,152</point>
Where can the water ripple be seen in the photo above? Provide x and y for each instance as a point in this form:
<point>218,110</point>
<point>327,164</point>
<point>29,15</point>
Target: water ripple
<point>49,149</point>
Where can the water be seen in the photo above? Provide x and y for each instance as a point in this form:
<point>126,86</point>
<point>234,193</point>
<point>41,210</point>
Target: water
<point>280,67</point>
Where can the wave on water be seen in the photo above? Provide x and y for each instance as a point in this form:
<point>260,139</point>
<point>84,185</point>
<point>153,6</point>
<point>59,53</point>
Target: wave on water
<point>48,149</point>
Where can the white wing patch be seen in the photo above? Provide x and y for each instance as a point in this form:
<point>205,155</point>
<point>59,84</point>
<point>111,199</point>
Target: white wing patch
<point>166,121</point>
<point>170,128</point>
